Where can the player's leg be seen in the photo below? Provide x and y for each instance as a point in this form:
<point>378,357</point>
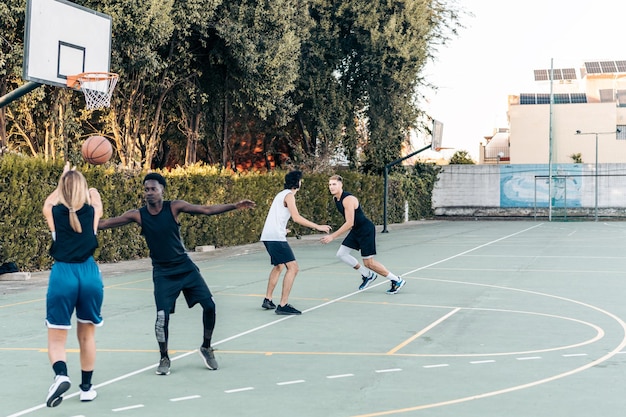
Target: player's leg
<point>368,250</point>
<point>88,315</point>
<point>282,254</point>
<point>288,280</point>
<point>196,291</point>
<point>166,292</point>
<point>272,280</point>
<point>367,275</point>
<point>62,290</point>
<point>86,333</point>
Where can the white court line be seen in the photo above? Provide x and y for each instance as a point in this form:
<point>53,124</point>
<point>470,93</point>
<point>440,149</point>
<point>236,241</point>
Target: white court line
<point>339,376</point>
<point>570,355</point>
<point>480,362</point>
<point>230,391</point>
<point>380,371</point>
<point>297,381</point>
<point>441,365</point>
<point>128,375</point>
<point>191,397</point>
<point>529,358</point>
<point>130,407</point>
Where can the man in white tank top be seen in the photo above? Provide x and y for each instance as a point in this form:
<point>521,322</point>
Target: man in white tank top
<point>274,237</point>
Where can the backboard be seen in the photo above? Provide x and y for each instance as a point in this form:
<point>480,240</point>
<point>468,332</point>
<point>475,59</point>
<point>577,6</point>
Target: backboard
<point>437,135</point>
<point>62,39</point>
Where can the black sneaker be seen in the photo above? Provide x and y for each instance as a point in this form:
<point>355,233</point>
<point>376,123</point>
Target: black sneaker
<point>396,285</point>
<point>367,280</point>
<point>287,310</point>
<point>208,357</point>
<point>268,304</point>
<point>164,367</point>
<point>57,389</point>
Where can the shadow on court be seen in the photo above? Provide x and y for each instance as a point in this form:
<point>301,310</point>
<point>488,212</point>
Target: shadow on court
<point>497,319</point>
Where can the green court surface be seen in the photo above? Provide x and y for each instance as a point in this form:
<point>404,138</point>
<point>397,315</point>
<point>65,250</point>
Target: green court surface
<point>503,318</point>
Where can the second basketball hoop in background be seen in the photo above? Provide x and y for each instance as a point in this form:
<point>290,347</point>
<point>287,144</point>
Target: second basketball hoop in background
<point>97,150</point>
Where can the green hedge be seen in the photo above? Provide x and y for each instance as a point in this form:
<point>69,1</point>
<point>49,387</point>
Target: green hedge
<point>25,183</point>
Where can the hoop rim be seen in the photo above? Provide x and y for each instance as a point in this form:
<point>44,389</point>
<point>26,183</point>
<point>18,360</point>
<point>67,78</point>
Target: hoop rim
<point>74,81</point>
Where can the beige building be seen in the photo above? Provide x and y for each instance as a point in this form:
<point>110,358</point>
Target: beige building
<point>590,100</point>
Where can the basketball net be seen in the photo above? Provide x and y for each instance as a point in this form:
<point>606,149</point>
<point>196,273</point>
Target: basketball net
<point>97,86</point>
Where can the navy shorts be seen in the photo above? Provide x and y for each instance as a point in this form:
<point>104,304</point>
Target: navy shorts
<point>363,239</point>
<point>74,286</point>
<point>168,286</point>
<point>280,252</point>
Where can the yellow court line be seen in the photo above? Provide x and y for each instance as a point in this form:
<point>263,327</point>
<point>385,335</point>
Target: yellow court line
<point>418,334</point>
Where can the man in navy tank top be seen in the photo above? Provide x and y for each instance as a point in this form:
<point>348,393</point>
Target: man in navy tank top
<point>173,271</point>
<point>361,236</point>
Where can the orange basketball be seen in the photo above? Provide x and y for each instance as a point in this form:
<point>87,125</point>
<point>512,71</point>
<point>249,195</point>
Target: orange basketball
<point>97,150</point>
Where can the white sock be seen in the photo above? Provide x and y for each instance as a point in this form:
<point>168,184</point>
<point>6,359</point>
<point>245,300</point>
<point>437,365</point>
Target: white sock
<point>365,272</point>
<point>392,277</point>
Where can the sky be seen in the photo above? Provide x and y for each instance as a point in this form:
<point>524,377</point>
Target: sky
<point>495,54</point>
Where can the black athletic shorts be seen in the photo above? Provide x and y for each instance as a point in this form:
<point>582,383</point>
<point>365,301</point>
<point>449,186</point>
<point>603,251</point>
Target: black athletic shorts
<point>363,239</point>
<point>280,252</point>
<point>167,287</point>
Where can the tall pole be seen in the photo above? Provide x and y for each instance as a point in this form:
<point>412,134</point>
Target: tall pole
<point>596,212</point>
<point>550,140</point>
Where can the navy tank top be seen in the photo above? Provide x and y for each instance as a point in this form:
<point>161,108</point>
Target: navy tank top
<point>360,219</point>
<point>162,234</point>
<point>70,246</point>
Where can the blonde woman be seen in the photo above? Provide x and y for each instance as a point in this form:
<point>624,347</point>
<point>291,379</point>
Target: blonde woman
<point>72,212</point>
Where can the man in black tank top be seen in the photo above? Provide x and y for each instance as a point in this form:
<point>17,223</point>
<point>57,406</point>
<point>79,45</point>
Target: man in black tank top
<point>361,237</point>
<point>173,271</point>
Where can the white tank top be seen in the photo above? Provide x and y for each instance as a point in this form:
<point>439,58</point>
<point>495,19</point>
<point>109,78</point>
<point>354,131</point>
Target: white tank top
<point>275,228</point>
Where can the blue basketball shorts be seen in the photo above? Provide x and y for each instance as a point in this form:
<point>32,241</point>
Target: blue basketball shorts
<point>74,286</point>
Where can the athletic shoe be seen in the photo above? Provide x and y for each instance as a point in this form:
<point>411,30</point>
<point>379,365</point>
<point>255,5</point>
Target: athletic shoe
<point>89,395</point>
<point>55,393</point>
<point>395,286</point>
<point>268,304</point>
<point>208,357</point>
<point>367,280</point>
<point>287,310</point>
<point>164,367</point>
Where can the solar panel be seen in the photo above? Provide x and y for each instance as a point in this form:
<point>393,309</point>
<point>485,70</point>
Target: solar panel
<point>593,68</point>
<point>608,66</point>
<point>541,75</point>
<point>578,97</point>
<point>569,74</point>
<point>561,98</point>
<point>527,98</point>
<point>543,98</point>
<point>621,66</point>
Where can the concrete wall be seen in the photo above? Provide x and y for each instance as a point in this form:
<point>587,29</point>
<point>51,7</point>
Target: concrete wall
<point>528,190</point>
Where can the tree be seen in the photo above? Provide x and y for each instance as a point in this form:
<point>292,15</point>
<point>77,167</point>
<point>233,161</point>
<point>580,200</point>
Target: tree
<point>461,158</point>
<point>365,59</point>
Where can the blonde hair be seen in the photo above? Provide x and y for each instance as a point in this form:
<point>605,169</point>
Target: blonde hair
<point>337,178</point>
<point>73,194</point>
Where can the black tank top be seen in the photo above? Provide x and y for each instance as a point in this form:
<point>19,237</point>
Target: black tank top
<point>359,217</point>
<point>162,235</point>
<point>69,246</point>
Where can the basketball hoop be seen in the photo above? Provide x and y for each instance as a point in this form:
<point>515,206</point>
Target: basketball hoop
<point>97,86</point>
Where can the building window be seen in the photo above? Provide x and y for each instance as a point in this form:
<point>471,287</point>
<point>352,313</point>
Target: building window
<point>621,98</point>
<point>607,95</point>
<point>621,132</point>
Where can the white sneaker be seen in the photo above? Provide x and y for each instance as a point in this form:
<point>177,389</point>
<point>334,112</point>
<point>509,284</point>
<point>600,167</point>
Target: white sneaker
<point>88,395</point>
<point>55,393</point>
